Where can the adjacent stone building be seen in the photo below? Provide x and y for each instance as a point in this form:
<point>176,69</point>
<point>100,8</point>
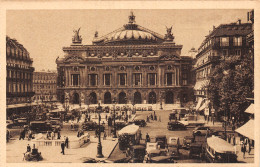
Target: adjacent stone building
<point>132,64</point>
<point>44,86</point>
<point>19,72</point>
<point>223,42</point>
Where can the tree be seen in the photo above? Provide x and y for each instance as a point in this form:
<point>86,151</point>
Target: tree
<point>231,82</point>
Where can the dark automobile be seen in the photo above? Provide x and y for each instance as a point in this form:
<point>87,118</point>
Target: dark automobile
<point>162,159</point>
<point>102,128</point>
<point>137,153</point>
<point>172,116</point>
<point>120,125</point>
<point>175,125</point>
<point>139,122</point>
<point>90,125</point>
<point>202,130</point>
<point>195,150</point>
<point>19,122</point>
<point>91,160</point>
<point>56,125</point>
<point>187,142</point>
<point>40,126</point>
<point>161,140</point>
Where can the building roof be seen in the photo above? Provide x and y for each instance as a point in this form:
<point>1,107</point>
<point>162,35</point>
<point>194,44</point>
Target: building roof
<point>130,33</point>
<point>232,29</point>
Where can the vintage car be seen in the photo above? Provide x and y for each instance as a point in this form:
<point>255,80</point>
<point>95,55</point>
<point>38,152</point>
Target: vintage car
<point>202,130</point>
<point>161,140</point>
<point>218,150</point>
<point>19,122</point>
<point>173,147</point>
<point>137,153</point>
<point>187,142</point>
<point>162,159</point>
<point>119,125</point>
<point>90,125</point>
<point>151,146</point>
<point>195,150</point>
<point>172,116</point>
<point>55,124</point>
<point>175,125</point>
<point>40,126</point>
<point>139,122</point>
<point>9,123</point>
<point>33,156</point>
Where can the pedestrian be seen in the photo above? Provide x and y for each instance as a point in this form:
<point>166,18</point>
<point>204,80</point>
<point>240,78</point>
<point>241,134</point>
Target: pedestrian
<point>78,134</point>
<point>67,142</point>
<point>249,147</point>
<point>96,133</point>
<point>71,125</point>
<point>234,140</point>
<point>244,150</point>
<point>151,117</point>
<point>229,138</point>
<point>105,135</point>
<point>52,135</point>
<point>28,148</point>
<point>7,135</point>
<point>62,148</point>
<point>147,118</point>
<point>106,117</point>
<point>147,138</point>
<point>159,118</point>
<point>58,135</point>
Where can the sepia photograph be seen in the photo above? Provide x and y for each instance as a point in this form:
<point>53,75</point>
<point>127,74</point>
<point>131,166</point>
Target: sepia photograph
<point>130,86</point>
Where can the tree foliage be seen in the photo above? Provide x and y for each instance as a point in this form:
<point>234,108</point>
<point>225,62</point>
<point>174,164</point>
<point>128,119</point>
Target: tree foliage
<point>231,82</point>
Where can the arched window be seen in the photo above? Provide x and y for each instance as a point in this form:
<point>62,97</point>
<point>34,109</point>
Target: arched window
<point>152,98</point>
<point>107,98</point>
<point>169,97</point>
<point>122,98</point>
<point>93,98</point>
<point>75,98</point>
<point>137,98</point>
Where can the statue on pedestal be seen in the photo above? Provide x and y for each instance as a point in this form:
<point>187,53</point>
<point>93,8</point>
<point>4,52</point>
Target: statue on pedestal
<point>76,38</point>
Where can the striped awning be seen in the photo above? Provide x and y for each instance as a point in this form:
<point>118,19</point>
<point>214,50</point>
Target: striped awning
<point>201,84</point>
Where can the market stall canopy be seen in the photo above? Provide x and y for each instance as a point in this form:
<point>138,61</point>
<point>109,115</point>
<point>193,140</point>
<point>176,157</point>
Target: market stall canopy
<point>247,129</point>
<point>130,129</point>
<point>251,109</point>
<point>220,145</point>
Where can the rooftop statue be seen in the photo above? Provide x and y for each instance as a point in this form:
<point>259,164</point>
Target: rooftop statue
<point>169,36</point>
<point>76,38</point>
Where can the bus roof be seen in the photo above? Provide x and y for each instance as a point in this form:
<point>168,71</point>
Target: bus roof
<point>220,145</point>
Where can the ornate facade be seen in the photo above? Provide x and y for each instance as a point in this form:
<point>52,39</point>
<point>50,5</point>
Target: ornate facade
<point>44,86</point>
<point>19,72</point>
<point>132,64</point>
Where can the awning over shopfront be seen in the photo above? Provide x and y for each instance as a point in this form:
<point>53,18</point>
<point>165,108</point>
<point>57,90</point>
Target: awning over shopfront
<point>251,109</point>
<point>201,84</point>
<point>204,105</point>
<point>199,103</point>
<point>247,129</point>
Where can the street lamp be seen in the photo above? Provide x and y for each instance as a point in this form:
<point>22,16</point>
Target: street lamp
<point>99,147</point>
<point>114,132</point>
<point>125,104</point>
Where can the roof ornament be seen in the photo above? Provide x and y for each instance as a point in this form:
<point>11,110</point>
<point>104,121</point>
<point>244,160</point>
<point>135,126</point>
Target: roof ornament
<point>76,39</point>
<point>131,18</point>
<point>169,36</point>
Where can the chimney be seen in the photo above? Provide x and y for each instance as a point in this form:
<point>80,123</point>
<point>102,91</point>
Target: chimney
<point>239,21</point>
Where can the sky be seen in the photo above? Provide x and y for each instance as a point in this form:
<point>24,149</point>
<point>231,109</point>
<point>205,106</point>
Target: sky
<point>44,32</point>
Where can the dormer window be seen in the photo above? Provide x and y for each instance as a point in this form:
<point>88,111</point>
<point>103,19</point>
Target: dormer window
<point>224,41</point>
